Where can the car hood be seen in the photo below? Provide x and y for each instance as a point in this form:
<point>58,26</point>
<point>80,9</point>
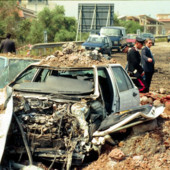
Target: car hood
<point>114,38</point>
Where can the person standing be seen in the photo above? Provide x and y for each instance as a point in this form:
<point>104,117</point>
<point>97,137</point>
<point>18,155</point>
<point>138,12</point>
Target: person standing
<point>148,62</point>
<point>7,45</point>
<point>134,69</point>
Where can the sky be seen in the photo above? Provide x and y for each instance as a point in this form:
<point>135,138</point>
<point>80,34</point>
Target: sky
<point>126,7</point>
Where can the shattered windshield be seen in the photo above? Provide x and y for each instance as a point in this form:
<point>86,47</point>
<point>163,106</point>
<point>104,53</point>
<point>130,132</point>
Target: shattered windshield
<point>56,81</point>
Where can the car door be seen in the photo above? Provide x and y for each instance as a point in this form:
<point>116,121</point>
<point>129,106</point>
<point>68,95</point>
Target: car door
<point>106,44</point>
<point>128,92</point>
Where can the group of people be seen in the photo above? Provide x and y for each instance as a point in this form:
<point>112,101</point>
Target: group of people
<point>140,67</point>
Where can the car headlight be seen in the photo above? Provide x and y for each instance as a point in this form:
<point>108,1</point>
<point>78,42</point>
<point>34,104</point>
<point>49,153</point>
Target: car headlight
<point>97,48</point>
<point>83,47</point>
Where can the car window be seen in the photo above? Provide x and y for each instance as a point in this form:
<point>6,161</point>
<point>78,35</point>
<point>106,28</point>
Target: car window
<point>27,76</point>
<point>17,65</point>
<point>110,31</point>
<point>95,39</point>
<point>2,62</point>
<point>123,81</point>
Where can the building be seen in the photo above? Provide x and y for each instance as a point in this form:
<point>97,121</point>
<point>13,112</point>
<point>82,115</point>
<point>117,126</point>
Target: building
<point>26,13</point>
<point>37,5</point>
<point>150,24</point>
<point>165,18</point>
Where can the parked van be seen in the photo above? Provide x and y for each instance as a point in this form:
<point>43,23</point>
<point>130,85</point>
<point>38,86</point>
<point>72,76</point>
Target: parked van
<point>116,34</point>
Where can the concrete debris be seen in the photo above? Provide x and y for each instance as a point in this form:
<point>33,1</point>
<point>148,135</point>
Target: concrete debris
<point>72,55</point>
<point>166,113</point>
<point>162,90</point>
<point>117,154</point>
<point>157,103</point>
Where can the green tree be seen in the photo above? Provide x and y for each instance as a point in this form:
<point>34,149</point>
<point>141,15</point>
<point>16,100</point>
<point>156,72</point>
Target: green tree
<point>23,30</point>
<point>116,20</point>
<point>58,26</point>
<point>131,26</point>
<point>8,17</point>
<point>36,32</point>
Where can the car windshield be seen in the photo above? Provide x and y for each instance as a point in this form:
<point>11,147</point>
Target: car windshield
<point>56,81</point>
<point>110,32</point>
<point>95,39</point>
<point>147,35</point>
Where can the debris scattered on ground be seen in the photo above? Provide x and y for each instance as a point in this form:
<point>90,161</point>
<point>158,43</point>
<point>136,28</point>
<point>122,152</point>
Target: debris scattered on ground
<point>72,55</point>
<point>147,149</point>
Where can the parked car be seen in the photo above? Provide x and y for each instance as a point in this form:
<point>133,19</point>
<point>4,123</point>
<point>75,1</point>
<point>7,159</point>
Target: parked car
<point>148,35</point>
<point>57,110</point>
<point>3,63</point>
<point>10,67</point>
<point>131,38</point>
<point>100,43</point>
<point>116,34</point>
<point>168,38</point>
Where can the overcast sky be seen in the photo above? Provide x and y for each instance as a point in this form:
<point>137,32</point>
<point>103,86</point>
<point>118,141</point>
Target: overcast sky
<point>126,7</point>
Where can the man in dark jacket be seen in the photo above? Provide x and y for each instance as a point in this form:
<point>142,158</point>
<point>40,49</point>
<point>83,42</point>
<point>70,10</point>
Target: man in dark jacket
<point>147,63</point>
<point>7,45</point>
<point>135,70</point>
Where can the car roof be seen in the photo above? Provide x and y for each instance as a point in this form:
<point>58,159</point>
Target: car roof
<point>111,27</point>
<point>95,35</point>
<point>38,64</point>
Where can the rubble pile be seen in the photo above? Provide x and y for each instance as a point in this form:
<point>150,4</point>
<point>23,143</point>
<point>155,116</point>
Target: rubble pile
<point>74,56</point>
<point>157,99</point>
<point>147,150</point>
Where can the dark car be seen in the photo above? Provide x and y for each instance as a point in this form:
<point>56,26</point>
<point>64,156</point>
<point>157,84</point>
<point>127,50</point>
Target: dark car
<point>102,44</point>
<point>116,34</point>
<point>168,38</point>
<point>148,35</point>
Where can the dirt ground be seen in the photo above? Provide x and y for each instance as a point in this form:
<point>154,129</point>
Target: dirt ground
<point>149,150</point>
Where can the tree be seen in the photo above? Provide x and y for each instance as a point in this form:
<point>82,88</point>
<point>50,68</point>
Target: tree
<point>131,26</point>
<point>8,17</point>
<point>36,32</point>
<point>116,20</point>
<point>58,26</point>
<point>23,30</point>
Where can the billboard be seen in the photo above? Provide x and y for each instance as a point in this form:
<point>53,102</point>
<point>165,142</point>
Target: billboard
<point>94,16</point>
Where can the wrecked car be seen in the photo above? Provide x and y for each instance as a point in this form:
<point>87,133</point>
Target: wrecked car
<point>57,111</point>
